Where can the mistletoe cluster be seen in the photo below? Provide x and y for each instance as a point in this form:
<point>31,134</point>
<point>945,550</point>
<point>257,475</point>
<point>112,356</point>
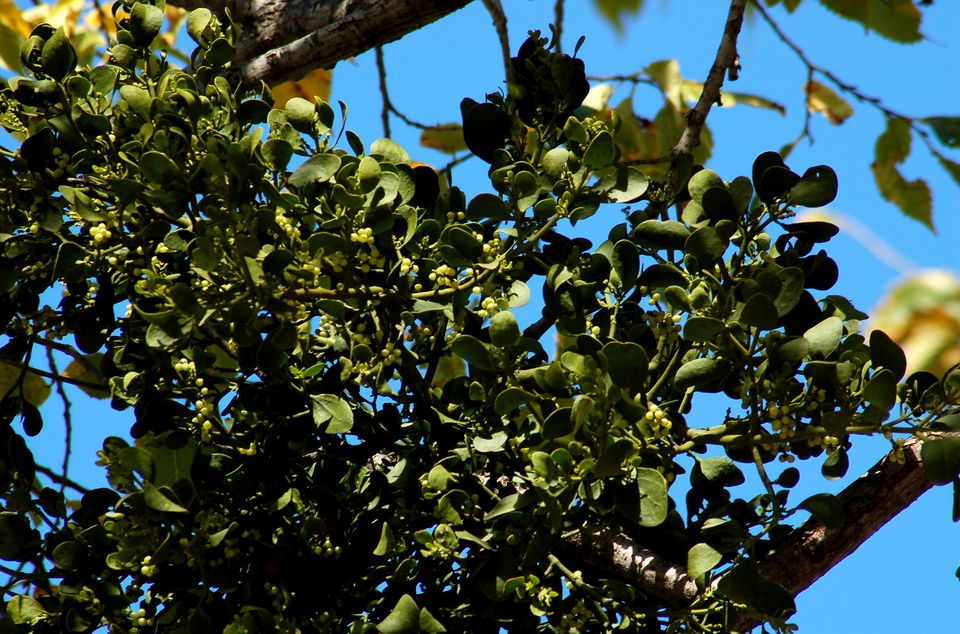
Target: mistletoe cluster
<point>339,422</point>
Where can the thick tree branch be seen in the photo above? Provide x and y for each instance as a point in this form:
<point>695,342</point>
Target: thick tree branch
<point>283,40</point>
<point>807,554</point>
<point>727,60</point>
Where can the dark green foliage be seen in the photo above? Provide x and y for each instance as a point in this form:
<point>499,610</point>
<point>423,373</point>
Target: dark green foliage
<point>340,424</point>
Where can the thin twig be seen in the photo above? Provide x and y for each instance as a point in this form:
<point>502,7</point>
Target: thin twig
<point>67,422</point>
<point>382,74</point>
<point>558,25</point>
<point>60,479</point>
<point>726,61</point>
<point>850,89</point>
<point>388,107</point>
<point>500,24</point>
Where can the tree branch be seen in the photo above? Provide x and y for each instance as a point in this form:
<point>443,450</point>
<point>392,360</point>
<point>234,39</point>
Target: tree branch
<point>808,553</point>
<point>727,60</point>
<point>282,40</point>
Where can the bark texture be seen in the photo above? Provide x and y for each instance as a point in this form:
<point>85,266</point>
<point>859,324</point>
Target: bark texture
<point>283,40</point>
<point>807,554</point>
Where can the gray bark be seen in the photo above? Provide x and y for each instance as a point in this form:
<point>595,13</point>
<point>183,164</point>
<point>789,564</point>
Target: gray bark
<point>284,40</point>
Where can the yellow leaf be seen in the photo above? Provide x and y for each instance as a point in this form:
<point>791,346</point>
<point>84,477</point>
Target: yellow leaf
<point>824,100</point>
<point>315,84</point>
<point>35,389</point>
<point>83,372</point>
<point>446,137</point>
<point>11,17</point>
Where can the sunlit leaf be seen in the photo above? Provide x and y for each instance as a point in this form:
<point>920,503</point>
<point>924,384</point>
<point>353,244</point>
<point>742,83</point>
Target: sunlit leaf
<point>823,99</point>
<point>316,83</point>
<point>913,198</point>
<point>897,20</point>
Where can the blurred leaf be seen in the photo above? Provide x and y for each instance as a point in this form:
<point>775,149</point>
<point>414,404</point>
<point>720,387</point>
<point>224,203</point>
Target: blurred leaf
<point>911,197</point>
<point>897,20</point>
<point>947,129</point>
<point>82,371</point>
<point>446,137</point>
<point>824,100</point>
<point>403,619</point>
<point>24,610</point>
<point>940,458</point>
<point>35,389</point>
<point>615,10</point>
<point>316,83</point>
<point>952,167</point>
<point>691,92</point>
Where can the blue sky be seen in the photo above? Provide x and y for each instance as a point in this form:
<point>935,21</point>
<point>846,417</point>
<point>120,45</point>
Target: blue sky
<point>913,558</point>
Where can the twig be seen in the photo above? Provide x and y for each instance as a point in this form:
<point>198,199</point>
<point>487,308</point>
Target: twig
<point>388,107</point>
<point>67,422</point>
<point>726,61</point>
<point>850,89</point>
<point>558,25</point>
<point>382,75</point>
<point>60,479</point>
<point>500,24</point>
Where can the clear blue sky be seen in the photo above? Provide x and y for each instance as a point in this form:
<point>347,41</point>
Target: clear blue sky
<point>912,560</point>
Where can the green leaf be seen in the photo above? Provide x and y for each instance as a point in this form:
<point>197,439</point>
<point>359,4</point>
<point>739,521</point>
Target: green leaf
<point>319,168</point>
<point>702,329</point>
<point>940,458</point>
<point>897,20</point>
<point>824,337</point>
<point>817,187</point>
<point>510,399</point>
<point>885,353</point>
<point>654,502</point>
<point>703,181</point>
<point>759,312</point>
<point>504,329</point>
<point>881,389</point>
<point>824,100</point>
<point>701,558</point>
<point>911,197</point>
<point>698,372</point>
<point>836,464</point>
<point>791,289</point>
<point>301,114</point>
<point>625,261</point>
<point>614,10</point>
<point>947,129</point>
<point>720,470</point>
<point>68,555</point>
<point>146,20</point>
<point>58,57</point>
<point>429,623</point>
<point>24,610</point>
<point>387,541</point>
<point>627,364</point>
<point>403,619</point>
<point>158,168</point>
<point>626,184</point>
<point>558,424</point>
<point>662,234</point>
<point>490,445</point>
<point>158,500</point>
<point>332,412</point>
<point>601,151</point>
<point>706,245</point>
<point>474,352</point>
<point>197,22</point>
<point>826,508</point>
